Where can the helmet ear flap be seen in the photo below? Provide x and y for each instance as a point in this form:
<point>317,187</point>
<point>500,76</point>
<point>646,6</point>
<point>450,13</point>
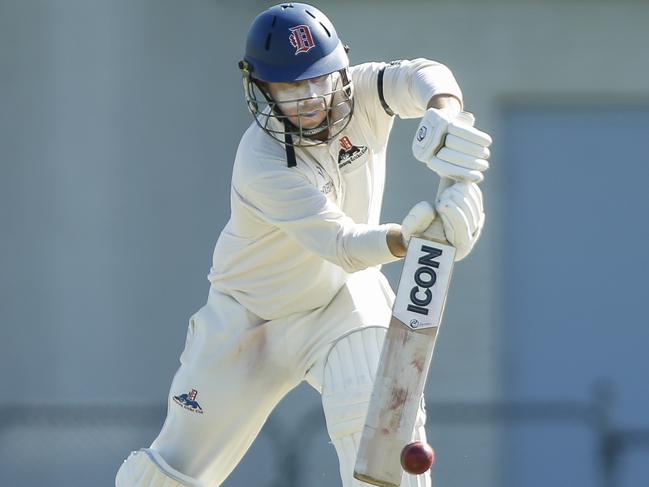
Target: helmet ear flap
<point>244,66</point>
<point>249,84</point>
<point>251,100</point>
<point>262,87</point>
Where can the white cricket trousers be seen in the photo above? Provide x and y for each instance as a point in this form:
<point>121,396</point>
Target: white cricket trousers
<point>236,367</point>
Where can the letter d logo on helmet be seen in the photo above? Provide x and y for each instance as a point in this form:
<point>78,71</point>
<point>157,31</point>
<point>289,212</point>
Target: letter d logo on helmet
<point>301,38</point>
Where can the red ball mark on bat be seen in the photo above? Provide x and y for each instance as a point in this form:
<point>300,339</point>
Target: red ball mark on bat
<point>417,457</point>
<point>418,364</point>
<point>398,398</point>
<point>405,338</point>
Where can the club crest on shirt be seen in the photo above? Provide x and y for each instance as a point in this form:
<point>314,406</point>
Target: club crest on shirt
<point>349,152</point>
<point>188,401</point>
<point>301,39</point>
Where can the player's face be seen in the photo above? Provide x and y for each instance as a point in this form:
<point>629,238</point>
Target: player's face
<point>304,102</point>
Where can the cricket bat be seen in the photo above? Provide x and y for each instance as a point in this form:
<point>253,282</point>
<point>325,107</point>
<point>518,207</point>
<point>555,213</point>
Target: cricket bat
<point>406,354</point>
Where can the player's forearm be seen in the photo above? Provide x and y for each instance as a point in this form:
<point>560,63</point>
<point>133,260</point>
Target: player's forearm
<point>286,200</point>
<point>339,240</point>
<point>361,246</point>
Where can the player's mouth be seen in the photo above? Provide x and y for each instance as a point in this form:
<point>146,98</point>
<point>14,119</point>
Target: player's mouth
<point>311,111</point>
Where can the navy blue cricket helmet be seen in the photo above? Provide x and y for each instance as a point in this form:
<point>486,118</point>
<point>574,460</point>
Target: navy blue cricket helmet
<point>294,42</point>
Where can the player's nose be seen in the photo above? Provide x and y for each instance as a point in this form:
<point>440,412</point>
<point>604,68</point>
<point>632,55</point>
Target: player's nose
<point>314,89</point>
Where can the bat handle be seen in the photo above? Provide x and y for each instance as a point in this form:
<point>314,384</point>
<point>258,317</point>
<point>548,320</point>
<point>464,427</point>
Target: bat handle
<point>435,230</point>
<point>443,184</point>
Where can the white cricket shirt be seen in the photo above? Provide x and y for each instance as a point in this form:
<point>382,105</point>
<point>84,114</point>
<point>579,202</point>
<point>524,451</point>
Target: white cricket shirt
<point>296,233</point>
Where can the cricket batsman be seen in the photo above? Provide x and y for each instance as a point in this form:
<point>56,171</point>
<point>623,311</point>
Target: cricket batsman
<point>296,289</point>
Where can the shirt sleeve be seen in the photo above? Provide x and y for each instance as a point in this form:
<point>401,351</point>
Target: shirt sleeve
<point>285,199</point>
<point>405,87</point>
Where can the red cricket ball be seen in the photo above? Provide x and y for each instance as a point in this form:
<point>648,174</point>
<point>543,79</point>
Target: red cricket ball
<point>417,457</point>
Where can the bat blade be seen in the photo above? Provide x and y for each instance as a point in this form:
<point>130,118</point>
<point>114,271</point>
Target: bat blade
<point>405,358</point>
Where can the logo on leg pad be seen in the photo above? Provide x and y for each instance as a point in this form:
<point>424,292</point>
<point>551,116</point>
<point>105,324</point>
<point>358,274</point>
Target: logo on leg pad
<point>188,401</point>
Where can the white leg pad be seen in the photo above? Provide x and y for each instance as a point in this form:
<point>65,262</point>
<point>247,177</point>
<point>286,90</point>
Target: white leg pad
<point>349,373</point>
<point>146,468</point>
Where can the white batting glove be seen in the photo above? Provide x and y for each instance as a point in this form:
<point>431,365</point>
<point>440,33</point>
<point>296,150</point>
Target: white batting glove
<point>462,212</point>
<point>449,145</point>
<point>417,220</point>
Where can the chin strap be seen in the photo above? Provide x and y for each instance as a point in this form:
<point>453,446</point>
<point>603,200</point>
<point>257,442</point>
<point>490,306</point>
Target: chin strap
<point>288,145</point>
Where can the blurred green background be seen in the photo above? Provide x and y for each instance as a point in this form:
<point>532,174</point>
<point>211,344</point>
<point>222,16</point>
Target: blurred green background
<point>119,121</point>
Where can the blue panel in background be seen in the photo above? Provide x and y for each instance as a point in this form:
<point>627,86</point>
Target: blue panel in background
<point>576,223</point>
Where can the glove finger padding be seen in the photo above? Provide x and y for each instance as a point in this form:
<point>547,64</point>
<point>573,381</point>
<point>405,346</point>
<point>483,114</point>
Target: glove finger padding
<point>456,226</point>
<point>466,146</point>
<point>453,171</point>
<point>449,145</point>
<point>462,160</point>
<point>464,131</point>
<point>470,203</point>
<point>461,210</point>
<point>468,214</point>
<point>417,220</point>
<point>475,200</point>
